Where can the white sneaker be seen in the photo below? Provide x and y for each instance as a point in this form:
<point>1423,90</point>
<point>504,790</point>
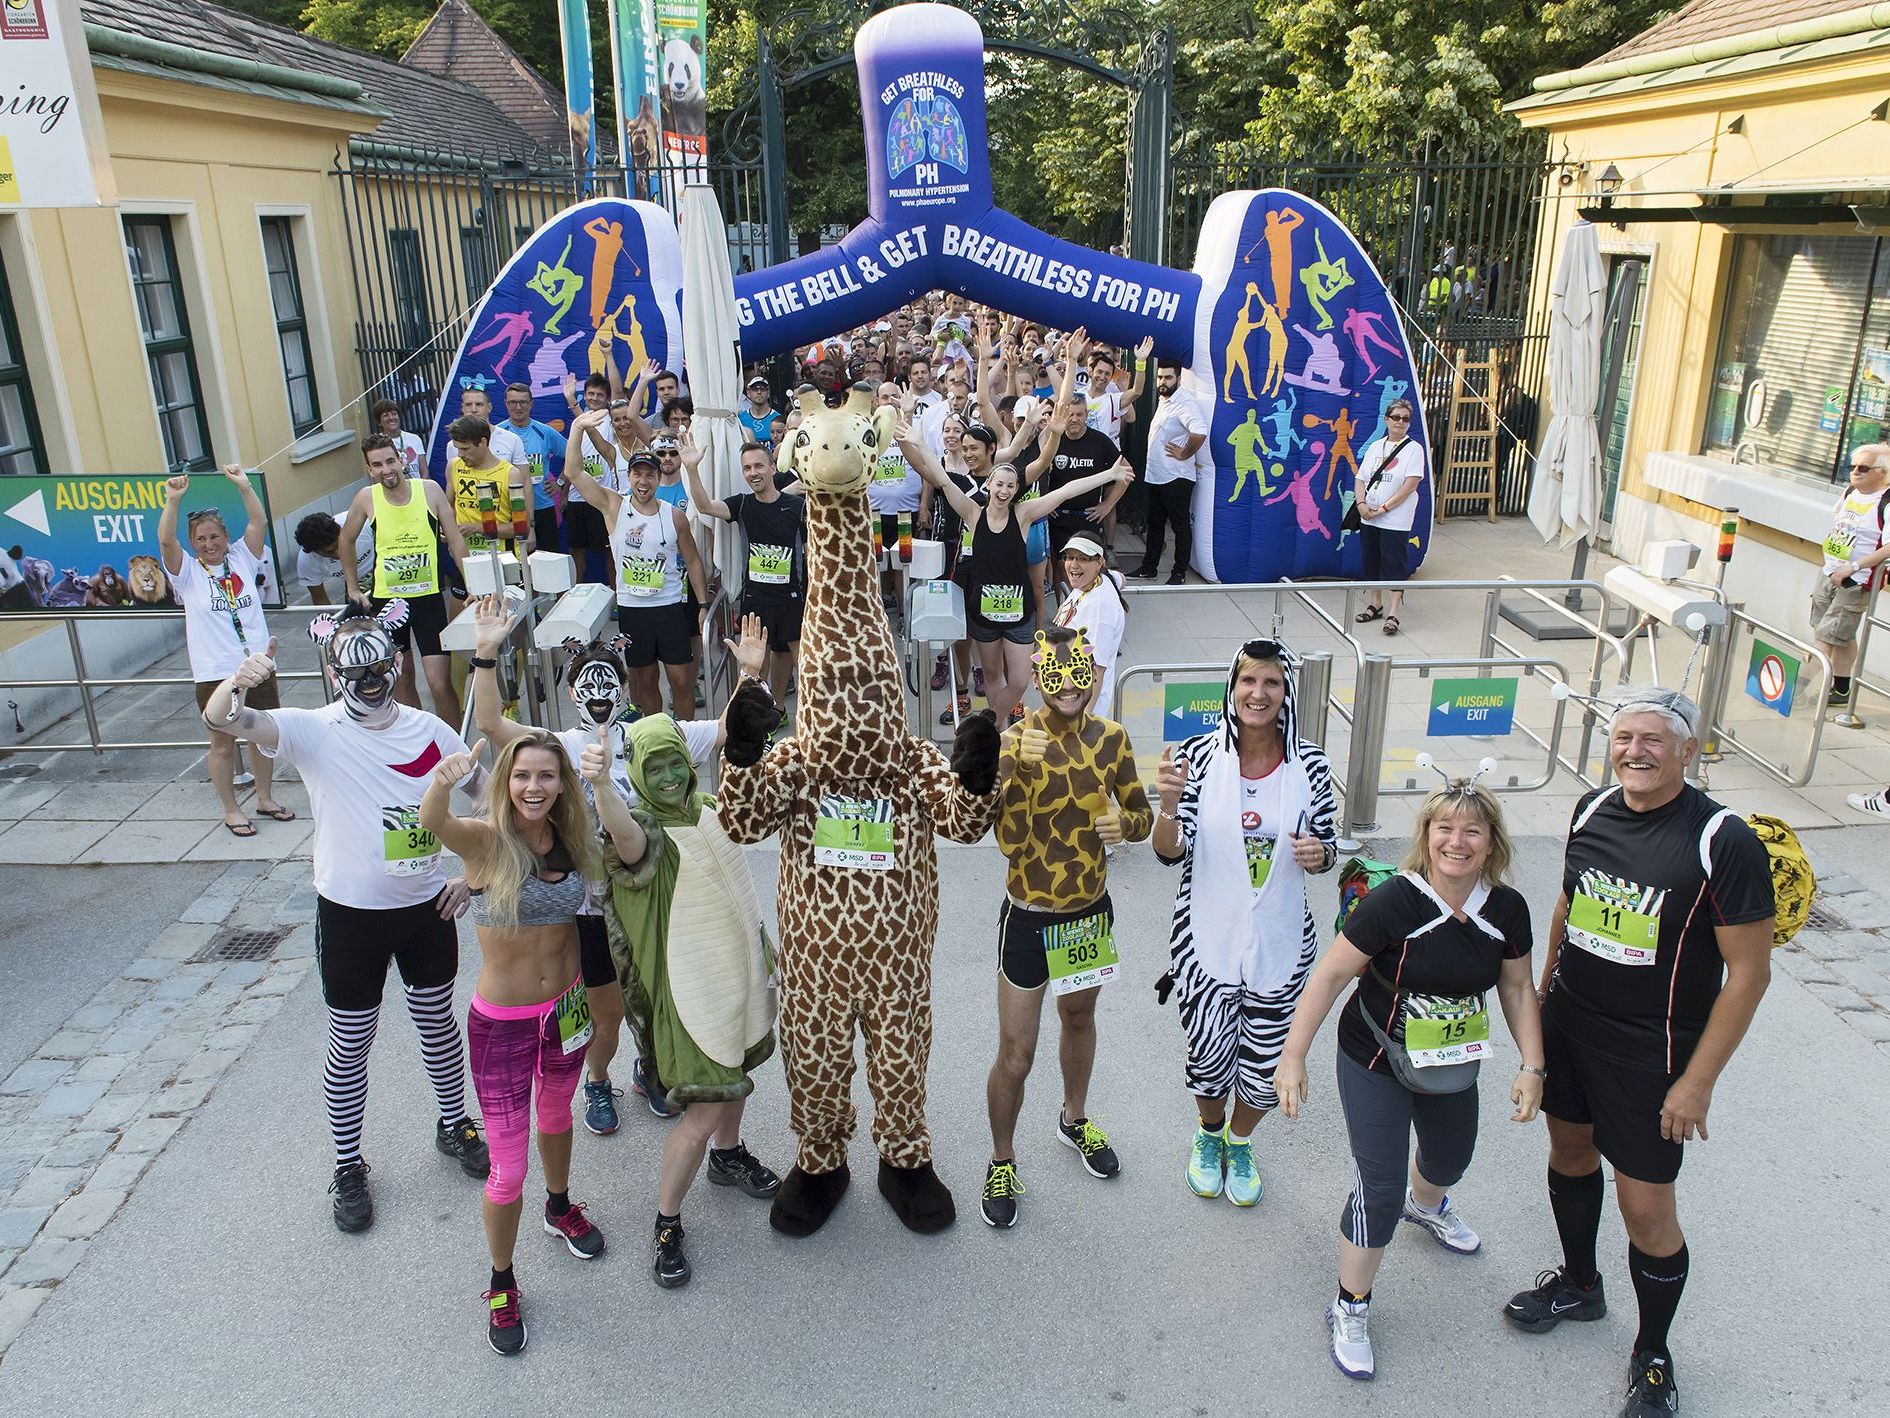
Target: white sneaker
<point>1351,1341</point>
<point>1876,804</point>
<point>1447,1228</point>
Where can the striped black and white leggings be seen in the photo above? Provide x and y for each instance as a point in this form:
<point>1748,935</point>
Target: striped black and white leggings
<point>352,949</point>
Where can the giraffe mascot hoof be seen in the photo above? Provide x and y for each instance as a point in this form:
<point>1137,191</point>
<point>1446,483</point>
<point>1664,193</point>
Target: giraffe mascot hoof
<point>856,799</point>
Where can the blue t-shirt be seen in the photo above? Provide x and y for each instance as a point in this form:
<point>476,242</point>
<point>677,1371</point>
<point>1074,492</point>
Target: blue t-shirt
<point>760,427</point>
<point>544,451</point>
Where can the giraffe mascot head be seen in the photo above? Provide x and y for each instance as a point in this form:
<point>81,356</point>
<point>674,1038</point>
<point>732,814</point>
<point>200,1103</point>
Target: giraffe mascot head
<point>856,798</point>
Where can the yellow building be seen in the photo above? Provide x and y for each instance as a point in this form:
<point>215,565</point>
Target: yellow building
<point>1736,158</point>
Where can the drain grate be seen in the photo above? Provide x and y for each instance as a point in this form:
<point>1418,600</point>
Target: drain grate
<point>1823,918</point>
<point>240,943</point>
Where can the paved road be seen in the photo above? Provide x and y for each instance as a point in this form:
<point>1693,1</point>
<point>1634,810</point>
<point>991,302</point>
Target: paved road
<point>222,1287</point>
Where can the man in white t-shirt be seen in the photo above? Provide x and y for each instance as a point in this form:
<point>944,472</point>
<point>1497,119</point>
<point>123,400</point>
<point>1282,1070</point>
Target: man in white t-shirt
<point>506,445</point>
<point>380,893</point>
<point>318,558</point>
<point>219,585</point>
<point>1853,549</point>
<point>1175,436</point>
<point>413,453</point>
<point>1109,407</point>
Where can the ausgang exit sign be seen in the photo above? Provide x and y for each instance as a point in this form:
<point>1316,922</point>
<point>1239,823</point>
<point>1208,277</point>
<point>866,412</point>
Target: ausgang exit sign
<point>1464,708</point>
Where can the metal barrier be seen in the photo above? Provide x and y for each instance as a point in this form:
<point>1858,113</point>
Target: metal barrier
<point>1716,693</point>
<point>85,684</point>
<point>1849,717</point>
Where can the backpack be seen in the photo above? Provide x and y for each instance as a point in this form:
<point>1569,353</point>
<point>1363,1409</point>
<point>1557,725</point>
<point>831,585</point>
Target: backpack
<point>1793,882</point>
<point>1357,877</point>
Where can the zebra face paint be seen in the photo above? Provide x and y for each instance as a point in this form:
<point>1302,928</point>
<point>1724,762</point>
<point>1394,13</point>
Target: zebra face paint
<point>599,693</point>
<point>364,665</point>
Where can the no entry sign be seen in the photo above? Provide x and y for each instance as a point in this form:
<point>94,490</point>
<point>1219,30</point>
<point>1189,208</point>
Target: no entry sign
<point>1772,677</point>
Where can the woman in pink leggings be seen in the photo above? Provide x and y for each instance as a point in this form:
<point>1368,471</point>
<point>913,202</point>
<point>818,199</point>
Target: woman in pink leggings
<point>526,861</point>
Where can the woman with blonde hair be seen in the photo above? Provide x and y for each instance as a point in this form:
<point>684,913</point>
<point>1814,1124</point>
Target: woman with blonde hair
<point>1424,947</point>
<point>526,859</point>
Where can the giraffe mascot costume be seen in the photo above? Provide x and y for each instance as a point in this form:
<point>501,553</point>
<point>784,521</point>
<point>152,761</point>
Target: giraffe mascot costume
<point>856,798</point>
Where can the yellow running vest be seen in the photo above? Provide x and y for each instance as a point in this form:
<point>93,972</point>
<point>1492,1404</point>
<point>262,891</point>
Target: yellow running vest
<point>406,550</point>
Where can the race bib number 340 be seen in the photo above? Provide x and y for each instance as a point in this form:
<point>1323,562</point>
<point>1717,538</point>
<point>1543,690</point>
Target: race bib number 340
<point>855,833</point>
<point>407,848</point>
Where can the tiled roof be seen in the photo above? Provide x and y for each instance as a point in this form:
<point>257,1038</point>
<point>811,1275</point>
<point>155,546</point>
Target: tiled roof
<point>425,110</point>
<point>1721,19</point>
<point>458,44</point>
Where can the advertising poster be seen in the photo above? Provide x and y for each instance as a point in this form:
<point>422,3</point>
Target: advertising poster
<point>52,139</point>
<point>683,28</point>
<point>76,540</point>
<point>633,62</point>
<point>574,33</point>
<point>1722,414</point>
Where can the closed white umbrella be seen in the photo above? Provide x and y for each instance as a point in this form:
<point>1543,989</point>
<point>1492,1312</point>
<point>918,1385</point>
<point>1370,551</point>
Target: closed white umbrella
<point>712,336</point>
<point>1565,496</point>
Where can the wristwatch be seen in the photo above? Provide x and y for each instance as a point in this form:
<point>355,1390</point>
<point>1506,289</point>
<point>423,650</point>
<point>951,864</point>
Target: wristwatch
<point>1538,1072</point>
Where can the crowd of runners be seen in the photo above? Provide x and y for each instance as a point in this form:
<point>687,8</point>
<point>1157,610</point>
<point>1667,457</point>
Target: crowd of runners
<point>601,887</point>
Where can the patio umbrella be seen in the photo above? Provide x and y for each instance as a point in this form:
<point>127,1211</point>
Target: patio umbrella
<point>712,336</point>
<point>1565,495</point>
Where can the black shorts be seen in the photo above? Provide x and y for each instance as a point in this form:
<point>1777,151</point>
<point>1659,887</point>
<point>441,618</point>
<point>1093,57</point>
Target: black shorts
<point>584,527</point>
<point>426,618</point>
<point>545,528</point>
<point>594,963</point>
<point>780,617</point>
<point>657,633</point>
<point>1021,958</point>
<point>353,946</point>
<point>1385,553</point>
<point>1621,1103</point>
<point>1024,632</point>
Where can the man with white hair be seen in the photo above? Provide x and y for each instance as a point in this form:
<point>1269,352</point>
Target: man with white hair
<point>1659,951</point>
<point>1852,551</point>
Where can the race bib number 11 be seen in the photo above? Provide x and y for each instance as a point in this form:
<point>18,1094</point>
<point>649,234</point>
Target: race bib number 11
<point>1613,930</point>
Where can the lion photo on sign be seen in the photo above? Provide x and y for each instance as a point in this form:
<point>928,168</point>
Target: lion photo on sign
<point>146,579</point>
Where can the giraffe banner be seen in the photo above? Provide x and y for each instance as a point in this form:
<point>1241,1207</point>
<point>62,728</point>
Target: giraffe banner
<point>1297,354</point>
<point>600,284</point>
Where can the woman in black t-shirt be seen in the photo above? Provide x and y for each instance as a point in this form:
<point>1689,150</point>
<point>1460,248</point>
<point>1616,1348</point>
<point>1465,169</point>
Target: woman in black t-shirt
<point>1424,947</point>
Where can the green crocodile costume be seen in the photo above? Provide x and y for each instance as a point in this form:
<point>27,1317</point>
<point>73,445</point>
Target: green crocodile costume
<point>692,956</point>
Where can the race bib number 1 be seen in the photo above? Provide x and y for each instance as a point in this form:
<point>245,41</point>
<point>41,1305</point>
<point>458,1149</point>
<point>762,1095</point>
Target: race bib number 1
<point>1260,860</point>
<point>574,1019</point>
<point>1613,930</point>
<point>1081,954</point>
<point>854,833</point>
<point>408,849</point>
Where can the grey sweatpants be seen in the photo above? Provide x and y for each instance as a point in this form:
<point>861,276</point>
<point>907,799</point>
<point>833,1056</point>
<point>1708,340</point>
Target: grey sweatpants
<point>1380,1113</point>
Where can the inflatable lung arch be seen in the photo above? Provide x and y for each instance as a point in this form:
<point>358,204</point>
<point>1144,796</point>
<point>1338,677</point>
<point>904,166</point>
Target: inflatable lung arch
<point>601,282</point>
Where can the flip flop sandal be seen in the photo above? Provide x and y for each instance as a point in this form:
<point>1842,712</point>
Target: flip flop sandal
<point>1370,613</point>
<point>240,829</point>
<point>279,814</point>
<point>1391,625</point>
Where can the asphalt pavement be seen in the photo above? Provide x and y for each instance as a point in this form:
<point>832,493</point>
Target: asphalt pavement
<point>223,1288</point>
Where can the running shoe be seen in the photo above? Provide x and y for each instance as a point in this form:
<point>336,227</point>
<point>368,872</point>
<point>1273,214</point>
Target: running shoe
<point>462,1142</point>
<point>1206,1163</point>
<point>939,673</point>
<point>1553,1300</point>
<point>1090,1142</point>
<point>354,1208</point>
<point>1001,1190</point>
<point>574,1228</point>
<point>1652,1392</point>
<point>1837,698</point>
<point>651,1094</point>
<point>1876,804</point>
<point>1243,1178</point>
<point>977,679</point>
<point>1447,1228</point>
<point>505,1322</point>
<point>1351,1338</point>
<point>738,1167</point>
<point>1143,573</point>
<point>600,1107</point>
<point>670,1266</point>
<point>950,716</point>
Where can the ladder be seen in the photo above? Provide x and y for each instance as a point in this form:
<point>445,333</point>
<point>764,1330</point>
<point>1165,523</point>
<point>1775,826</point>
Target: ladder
<point>1469,463</point>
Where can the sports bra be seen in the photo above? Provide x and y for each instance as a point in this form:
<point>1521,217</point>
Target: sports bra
<point>540,902</point>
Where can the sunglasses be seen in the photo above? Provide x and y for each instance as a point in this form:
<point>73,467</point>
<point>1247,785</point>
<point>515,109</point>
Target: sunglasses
<point>1397,418</point>
<point>191,518</point>
<point>1263,650</point>
<point>1855,468</point>
<point>616,404</point>
<point>354,674</point>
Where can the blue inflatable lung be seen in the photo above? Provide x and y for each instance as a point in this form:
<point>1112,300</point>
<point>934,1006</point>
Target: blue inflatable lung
<point>601,282</point>
<point>1297,354</point>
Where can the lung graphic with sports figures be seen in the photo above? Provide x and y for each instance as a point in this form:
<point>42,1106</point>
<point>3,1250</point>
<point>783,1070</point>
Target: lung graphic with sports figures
<point>1288,338</point>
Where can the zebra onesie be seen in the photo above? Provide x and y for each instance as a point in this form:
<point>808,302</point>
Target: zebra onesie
<point>1240,961</point>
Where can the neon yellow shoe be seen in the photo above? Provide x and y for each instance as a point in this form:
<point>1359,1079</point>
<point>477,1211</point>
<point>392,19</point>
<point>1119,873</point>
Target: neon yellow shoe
<point>1243,1178</point>
<point>1205,1163</point>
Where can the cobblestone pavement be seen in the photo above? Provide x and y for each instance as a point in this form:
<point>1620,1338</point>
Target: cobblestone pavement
<point>82,1119</point>
<point>1844,959</point>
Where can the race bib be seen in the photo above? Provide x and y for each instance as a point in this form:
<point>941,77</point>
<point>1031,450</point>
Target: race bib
<point>574,1018</point>
<point>479,541</point>
<point>889,470</point>
<point>1440,1029</point>
<point>407,848</point>
<point>1260,859</point>
<point>1837,546</point>
<point>408,574</point>
<point>1613,930</point>
<point>964,541</point>
<point>642,575</point>
<point>770,565</point>
<point>1081,954</point>
<point>1001,605</point>
<point>854,833</point>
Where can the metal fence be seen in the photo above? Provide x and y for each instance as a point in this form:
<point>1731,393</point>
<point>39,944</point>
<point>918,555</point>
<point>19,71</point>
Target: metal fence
<point>1475,214</point>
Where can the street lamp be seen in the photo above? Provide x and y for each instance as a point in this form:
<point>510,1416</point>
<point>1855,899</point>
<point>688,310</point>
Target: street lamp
<point>1607,184</point>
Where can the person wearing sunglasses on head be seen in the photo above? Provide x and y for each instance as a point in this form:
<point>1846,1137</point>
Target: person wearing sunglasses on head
<point>1424,948</point>
<point>219,586</point>
<point>380,895</point>
<point>1390,472</point>
<point>1247,812</point>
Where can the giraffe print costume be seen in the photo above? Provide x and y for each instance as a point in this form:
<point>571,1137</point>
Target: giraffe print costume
<point>855,944</point>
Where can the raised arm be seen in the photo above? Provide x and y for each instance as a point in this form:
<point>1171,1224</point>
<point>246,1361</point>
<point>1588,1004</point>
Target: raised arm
<point>928,468</point>
<point>1042,506</point>
<point>493,624</point>
<point>627,837</point>
<point>1142,352</point>
<point>256,524</point>
<point>692,456</point>
<point>468,838</point>
<point>604,499</point>
<point>256,725</point>
<point>168,546</point>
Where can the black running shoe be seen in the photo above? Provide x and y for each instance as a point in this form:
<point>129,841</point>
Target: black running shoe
<point>505,1322</point>
<point>1553,1300</point>
<point>1091,1144</point>
<point>1001,1190</point>
<point>574,1228</point>
<point>462,1142</point>
<point>1652,1393</point>
<point>738,1167</point>
<point>670,1266</point>
<point>354,1208</point>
